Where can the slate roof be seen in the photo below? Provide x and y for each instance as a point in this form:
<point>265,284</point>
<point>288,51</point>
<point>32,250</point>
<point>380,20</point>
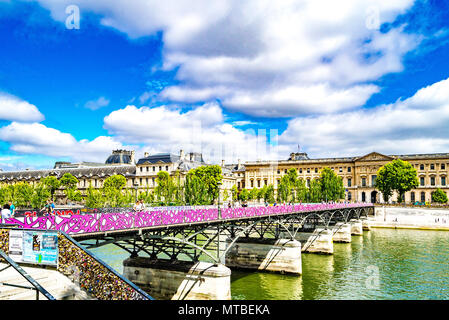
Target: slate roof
<point>104,171</point>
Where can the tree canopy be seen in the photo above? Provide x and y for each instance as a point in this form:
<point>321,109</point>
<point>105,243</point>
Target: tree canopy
<point>397,175</point>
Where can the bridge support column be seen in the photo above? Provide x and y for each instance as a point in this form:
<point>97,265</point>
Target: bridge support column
<point>366,224</point>
<point>341,232</point>
<point>179,280</point>
<point>318,241</point>
<point>280,256</point>
<point>356,227</point>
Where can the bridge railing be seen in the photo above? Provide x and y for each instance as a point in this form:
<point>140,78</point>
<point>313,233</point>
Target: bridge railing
<point>113,221</point>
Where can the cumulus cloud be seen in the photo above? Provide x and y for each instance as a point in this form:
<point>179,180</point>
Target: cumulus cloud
<point>415,125</point>
<point>266,58</point>
<point>97,104</point>
<point>36,138</point>
<point>169,129</point>
<point>15,109</point>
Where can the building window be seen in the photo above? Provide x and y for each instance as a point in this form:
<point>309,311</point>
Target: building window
<point>265,182</point>
<point>340,169</point>
<point>432,167</point>
<point>285,170</point>
<point>443,181</point>
<point>349,182</point>
<point>363,197</point>
<point>140,181</point>
<point>373,180</point>
<point>148,169</point>
<point>258,183</point>
<point>154,169</point>
<point>412,197</point>
<point>166,168</point>
<point>423,196</point>
<point>160,168</point>
<point>432,181</point>
<point>349,169</point>
<point>443,166</point>
<point>146,181</point>
<point>349,196</point>
<point>316,170</point>
<point>300,170</point>
<point>278,181</point>
<point>363,182</point>
<point>252,183</point>
<point>308,183</point>
<point>308,170</point>
<point>421,167</point>
<point>421,181</point>
<point>279,171</point>
<point>141,169</point>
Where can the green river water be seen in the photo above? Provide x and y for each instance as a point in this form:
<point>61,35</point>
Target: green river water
<point>381,264</point>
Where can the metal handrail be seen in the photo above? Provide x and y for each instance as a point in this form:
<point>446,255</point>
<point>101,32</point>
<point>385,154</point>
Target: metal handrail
<point>35,286</point>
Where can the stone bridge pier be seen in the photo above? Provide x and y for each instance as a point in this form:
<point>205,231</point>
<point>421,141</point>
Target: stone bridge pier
<point>271,255</point>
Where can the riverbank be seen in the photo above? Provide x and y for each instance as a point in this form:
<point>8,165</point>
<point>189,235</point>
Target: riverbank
<point>410,218</point>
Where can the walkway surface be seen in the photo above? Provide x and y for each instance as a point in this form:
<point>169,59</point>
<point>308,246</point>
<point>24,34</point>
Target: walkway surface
<point>57,284</point>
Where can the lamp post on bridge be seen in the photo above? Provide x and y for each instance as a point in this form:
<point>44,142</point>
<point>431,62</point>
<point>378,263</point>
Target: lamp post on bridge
<point>219,183</point>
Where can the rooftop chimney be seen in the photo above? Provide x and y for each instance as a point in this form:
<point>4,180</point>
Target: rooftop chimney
<point>146,154</point>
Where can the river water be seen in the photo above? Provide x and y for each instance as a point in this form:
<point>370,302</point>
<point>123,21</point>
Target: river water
<point>381,264</point>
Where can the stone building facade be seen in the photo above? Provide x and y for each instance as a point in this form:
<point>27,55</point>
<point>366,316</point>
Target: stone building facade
<point>358,173</point>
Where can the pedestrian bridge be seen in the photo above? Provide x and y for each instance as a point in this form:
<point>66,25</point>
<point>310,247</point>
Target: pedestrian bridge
<point>186,252</point>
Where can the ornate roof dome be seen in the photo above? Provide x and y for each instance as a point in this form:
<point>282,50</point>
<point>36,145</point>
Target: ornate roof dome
<point>121,157</point>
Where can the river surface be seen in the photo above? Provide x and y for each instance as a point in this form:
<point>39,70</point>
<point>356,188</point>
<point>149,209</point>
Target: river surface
<point>381,264</point>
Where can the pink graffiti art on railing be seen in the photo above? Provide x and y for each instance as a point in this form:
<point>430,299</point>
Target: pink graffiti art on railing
<point>102,222</point>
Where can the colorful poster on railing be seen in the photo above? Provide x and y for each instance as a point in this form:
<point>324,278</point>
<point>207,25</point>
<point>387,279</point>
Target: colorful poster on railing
<point>37,247</point>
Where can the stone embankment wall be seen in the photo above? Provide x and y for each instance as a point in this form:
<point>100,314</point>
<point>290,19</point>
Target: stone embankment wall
<point>410,218</point>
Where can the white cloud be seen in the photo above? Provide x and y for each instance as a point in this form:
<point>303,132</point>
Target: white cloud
<point>165,129</point>
<point>15,109</point>
<point>414,125</point>
<point>38,139</point>
<point>259,57</point>
<point>97,104</point>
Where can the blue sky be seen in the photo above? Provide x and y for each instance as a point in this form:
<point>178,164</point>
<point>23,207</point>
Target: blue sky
<point>232,80</point>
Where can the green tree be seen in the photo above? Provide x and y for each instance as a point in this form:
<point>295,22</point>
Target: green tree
<point>244,195</point>
<point>165,189</point>
<point>261,193</point>
<point>314,194</point>
<point>69,183</point>
<point>332,188</point>
<point>52,183</point>
<point>234,193</point>
<point>253,194</point>
<point>23,193</point>
<point>397,175</point>
<point>284,189</point>
<point>41,193</point>
<point>269,194</point>
<point>301,190</point>
<point>94,198</point>
<point>112,191</point>
<point>439,196</point>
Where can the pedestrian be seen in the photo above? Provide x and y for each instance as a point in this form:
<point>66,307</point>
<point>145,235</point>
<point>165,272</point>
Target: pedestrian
<point>12,208</point>
<point>6,212</point>
<point>47,208</point>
